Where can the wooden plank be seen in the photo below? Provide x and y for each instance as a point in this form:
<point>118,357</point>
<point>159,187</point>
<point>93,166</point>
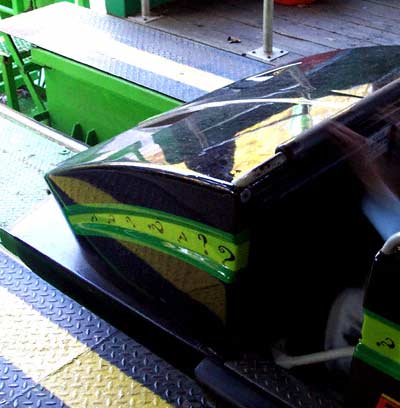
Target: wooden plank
<point>216,23</point>
<point>321,27</point>
<point>298,45</point>
<point>315,35</point>
<point>230,12</point>
<point>351,22</point>
<point>306,27</point>
<point>212,27</point>
<point>390,3</point>
<point>361,6</point>
<point>363,19</point>
<point>318,18</point>
<point>201,34</point>
<point>374,9</point>
<point>219,23</point>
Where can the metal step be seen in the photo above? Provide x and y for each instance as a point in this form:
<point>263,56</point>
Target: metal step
<point>254,383</point>
<point>171,65</point>
<point>282,385</point>
<point>55,352</point>
<point>27,152</point>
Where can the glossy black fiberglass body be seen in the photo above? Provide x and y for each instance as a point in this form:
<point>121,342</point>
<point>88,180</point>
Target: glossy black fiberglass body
<point>252,158</point>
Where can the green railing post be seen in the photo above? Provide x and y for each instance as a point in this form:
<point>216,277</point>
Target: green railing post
<point>24,74</point>
<point>84,3</point>
<point>6,11</point>
<point>10,88</point>
<point>18,6</point>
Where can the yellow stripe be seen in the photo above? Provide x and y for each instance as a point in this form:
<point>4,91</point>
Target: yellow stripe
<point>181,238</point>
<point>64,366</point>
<point>381,337</point>
<point>100,384</point>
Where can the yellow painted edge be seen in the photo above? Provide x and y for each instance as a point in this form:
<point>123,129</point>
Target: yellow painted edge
<point>67,368</point>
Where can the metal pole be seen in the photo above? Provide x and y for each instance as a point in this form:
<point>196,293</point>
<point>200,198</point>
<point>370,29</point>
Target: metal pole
<point>145,8</point>
<point>267,52</point>
<point>268,13</point>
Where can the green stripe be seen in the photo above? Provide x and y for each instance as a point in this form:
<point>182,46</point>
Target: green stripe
<point>380,344</point>
<point>381,363</point>
<point>384,321</point>
<point>215,251</point>
<point>380,336</point>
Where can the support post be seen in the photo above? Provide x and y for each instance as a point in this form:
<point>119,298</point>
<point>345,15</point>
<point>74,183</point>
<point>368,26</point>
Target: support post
<point>145,4</point>
<point>145,14</point>
<point>267,52</point>
<point>18,6</point>
<point>10,88</point>
<point>84,3</point>
<point>268,12</point>
<point>19,62</point>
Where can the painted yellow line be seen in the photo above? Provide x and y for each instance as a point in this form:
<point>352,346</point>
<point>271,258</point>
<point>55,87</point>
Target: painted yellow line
<point>67,368</point>
<point>381,336</point>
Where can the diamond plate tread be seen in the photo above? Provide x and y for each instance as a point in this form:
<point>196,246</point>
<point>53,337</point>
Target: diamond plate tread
<point>49,28</point>
<point>51,303</point>
<point>56,353</point>
<point>13,382</point>
<point>37,397</point>
<point>22,46</point>
<point>278,382</point>
<point>25,156</point>
<point>151,371</point>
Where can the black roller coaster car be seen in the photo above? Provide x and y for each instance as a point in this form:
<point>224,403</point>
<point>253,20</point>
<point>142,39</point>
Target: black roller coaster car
<point>242,227</point>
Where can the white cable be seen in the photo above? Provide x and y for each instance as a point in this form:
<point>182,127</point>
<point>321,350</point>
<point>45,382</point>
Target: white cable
<point>289,362</point>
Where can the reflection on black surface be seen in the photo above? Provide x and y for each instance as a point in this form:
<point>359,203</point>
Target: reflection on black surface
<point>234,129</point>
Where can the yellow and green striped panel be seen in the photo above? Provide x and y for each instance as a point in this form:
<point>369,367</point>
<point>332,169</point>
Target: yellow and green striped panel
<point>219,253</point>
<point>380,344</point>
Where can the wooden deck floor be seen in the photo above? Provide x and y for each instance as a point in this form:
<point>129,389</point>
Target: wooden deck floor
<point>322,26</point>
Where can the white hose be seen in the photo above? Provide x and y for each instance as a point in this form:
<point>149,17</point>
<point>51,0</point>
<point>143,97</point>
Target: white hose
<point>289,362</point>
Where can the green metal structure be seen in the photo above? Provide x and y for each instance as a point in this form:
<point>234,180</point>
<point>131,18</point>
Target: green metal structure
<point>13,7</point>
<point>105,106</point>
<point>18,69</point>
<point>124,8</point>
<point>30,153</point>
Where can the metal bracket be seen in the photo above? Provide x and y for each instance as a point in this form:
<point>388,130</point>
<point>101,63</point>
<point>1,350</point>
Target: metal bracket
<point>261,55</point>
<point>143,19</point>
<point>145,16</point>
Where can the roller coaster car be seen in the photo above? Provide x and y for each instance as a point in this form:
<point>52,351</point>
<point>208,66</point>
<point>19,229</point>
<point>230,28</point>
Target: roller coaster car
<point>241,222</point>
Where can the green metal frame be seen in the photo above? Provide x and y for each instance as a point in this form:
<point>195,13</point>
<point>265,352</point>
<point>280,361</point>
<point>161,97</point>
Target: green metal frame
<point>25,70</point>
<point>14,7</point>
<point>9,83</point>
<point>17,7</point>
<point>14,71</point>
<point>125,8</point>
<point>43,3</point>
<point>91,105</point>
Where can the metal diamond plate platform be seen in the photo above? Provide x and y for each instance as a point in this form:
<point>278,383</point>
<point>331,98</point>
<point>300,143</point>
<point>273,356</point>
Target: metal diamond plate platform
<point>13,382</point>
<point>151,371</point>
<point>57,308</point>
<point>22,46</point>
<point>278,382</point>
<point>56,353</point>
<point>25,155</point>
<point>177,67</point>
